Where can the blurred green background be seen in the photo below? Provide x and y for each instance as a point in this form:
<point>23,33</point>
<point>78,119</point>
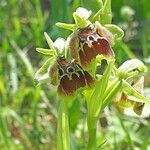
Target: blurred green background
<point>28,113</point>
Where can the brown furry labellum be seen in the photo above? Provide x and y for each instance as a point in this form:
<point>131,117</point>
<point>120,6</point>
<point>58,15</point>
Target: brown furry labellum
<point>71,77</point>
<point>87,44</point>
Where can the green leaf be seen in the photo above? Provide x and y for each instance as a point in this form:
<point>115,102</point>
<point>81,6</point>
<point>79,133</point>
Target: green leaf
<point>95,102</point>
<point>23,57</point>
<point>111,92</point>
<point>132,93</point>
<point>50,52</point>
<point>100,3</point>
<point>74,114</point>
<point>106,16</point>
<point>13,73</point>
<point>105,78</point>
<point>96,17</point>
<point>66,26</point>
<point>126,49</point>
<point>49,41</point>
<point>117,32</point>
<point>4,132</point>
<point>128,136</point>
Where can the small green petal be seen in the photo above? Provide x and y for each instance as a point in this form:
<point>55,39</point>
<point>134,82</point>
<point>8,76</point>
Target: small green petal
<point>66,26</point>
<point>50,52</point>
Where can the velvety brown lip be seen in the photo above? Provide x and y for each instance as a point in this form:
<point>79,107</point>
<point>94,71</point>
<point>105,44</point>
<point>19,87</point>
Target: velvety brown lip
<point>89,45</point>
<point>68,86</point>
<point>99,47</point>
<point>71,77</point>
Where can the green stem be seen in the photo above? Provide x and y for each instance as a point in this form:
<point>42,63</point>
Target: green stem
<point>92,135</point>
<point>63,140</point>
<point>92,139</point>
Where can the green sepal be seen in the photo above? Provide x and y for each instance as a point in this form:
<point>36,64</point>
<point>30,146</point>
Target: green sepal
<point>129,66</point>
<point>66,26</point>
<point>49,52</point>
<point>42,73</point>
<point>117,32</point>
<point>49,41</point>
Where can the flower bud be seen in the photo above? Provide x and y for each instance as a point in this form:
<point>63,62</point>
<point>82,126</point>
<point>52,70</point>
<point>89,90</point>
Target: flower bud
<point>125,100</point>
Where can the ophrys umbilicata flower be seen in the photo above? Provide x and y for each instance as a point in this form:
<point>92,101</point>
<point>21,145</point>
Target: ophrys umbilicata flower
<point>70,76</point>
